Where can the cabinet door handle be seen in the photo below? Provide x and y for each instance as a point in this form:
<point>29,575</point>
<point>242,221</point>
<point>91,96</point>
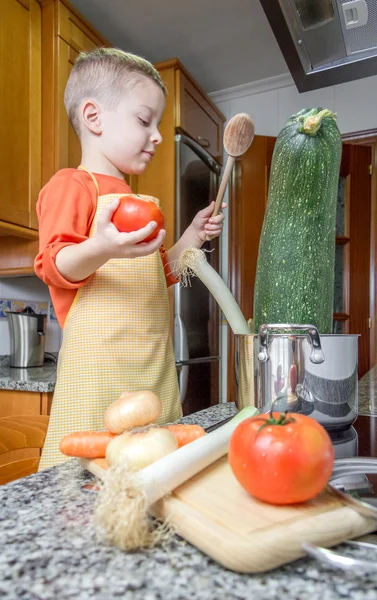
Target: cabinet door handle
<point>203,141</point>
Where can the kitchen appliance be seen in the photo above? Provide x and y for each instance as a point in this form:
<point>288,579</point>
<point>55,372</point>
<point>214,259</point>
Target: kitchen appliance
<point>325,42</point>
<point>196,314</point>
<point>300,372</point>
<point>27,336</point>
<point>345,443</point>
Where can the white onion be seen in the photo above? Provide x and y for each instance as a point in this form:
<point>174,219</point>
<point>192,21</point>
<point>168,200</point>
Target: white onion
<point>132,409</point>
<point>140,448</point>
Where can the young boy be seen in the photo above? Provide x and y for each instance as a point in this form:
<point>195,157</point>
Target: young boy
<point>109,289</point>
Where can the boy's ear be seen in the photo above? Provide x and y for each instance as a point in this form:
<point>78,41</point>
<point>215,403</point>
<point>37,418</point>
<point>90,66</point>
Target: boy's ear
<point>91,116</point>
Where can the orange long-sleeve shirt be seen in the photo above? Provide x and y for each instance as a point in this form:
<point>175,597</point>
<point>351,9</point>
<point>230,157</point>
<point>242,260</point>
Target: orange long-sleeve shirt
<point>65,209</point>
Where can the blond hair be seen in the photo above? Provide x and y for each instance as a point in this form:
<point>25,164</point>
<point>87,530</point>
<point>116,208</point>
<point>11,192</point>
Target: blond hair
<point>101,74</point>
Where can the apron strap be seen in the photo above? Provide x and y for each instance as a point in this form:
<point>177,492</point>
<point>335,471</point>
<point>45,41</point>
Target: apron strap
<point>81,168</point>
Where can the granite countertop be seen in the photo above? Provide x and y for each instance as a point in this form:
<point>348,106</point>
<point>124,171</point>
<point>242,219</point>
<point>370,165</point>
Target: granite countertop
<point>43,379</point>
<point>49,551</point>
<point>367,393</point>
<point>34,379</point>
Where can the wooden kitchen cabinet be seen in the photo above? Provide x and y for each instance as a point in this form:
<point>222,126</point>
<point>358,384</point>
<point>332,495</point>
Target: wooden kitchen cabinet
<point>41,40</point>
<point>64,34</point>
<point>24,419</point>
<point>20,114</point>
<point>197,116</point>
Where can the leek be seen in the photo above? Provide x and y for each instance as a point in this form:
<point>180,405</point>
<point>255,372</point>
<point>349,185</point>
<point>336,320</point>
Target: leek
<point>192,261</point>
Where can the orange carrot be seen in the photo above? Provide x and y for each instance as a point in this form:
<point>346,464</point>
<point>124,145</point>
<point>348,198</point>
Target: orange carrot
<point>86,444</point>
<point>186,432</point>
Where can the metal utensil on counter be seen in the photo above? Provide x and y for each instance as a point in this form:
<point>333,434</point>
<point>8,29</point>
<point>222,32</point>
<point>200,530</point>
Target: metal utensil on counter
<point>238,135</point>
<point>352,481</point>
<point>362,507</point>
<point>357,464</point>
<point>335,559</point>
<point>217,425</point>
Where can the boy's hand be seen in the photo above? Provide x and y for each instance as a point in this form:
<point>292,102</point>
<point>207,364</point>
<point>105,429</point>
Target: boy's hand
<point>116,244</point>
<point>203,227</point>
<point>207,227</point>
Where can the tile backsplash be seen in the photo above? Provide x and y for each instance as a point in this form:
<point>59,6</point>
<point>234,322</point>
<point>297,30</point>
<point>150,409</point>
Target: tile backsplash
<point>40,308</point>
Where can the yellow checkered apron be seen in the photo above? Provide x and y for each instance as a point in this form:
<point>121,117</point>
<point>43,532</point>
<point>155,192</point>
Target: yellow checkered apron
<point>116,337</point>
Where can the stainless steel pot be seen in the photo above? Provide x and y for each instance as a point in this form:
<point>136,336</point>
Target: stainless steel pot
<point>299,372</point>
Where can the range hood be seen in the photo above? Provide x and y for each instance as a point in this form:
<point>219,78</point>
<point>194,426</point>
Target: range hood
<point>325,42</point>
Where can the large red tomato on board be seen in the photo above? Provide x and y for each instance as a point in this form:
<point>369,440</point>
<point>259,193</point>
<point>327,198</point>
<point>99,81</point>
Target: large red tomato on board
<point>281,458</point>
<point>134,212</point>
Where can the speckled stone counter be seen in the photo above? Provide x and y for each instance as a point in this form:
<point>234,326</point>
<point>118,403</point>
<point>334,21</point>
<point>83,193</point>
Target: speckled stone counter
<point>35,379</point>
<point>49,551</point>
<point>43,379</point>
<point>368,393</point>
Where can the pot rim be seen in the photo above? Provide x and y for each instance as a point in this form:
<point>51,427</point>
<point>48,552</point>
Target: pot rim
<point>298,335</point>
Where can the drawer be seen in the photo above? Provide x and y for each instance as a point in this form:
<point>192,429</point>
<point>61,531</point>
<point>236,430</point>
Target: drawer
<point>22,433</point>
<point>197,117</point>
<point>17,402</point>
<point>24,418</point>
<point>21,442</point>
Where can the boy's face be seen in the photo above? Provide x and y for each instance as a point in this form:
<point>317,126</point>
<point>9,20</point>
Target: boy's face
<point>130,132</point>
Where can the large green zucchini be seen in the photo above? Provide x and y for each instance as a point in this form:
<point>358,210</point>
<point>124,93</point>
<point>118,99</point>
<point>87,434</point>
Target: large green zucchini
<point>296,260</point>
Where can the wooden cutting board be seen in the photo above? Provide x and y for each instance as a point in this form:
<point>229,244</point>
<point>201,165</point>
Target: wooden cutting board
<point>215,514</point>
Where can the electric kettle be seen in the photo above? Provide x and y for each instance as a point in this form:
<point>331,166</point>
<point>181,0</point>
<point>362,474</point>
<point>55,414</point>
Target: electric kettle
<point>27,336</point>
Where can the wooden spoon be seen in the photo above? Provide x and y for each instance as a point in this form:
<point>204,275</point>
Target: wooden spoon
<point>238,135</point>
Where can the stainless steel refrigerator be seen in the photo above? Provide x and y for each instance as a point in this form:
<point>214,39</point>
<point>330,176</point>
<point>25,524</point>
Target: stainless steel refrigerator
<point>196,314</point>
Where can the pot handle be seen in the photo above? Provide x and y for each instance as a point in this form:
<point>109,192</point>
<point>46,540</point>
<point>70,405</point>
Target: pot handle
<point>316,356</point>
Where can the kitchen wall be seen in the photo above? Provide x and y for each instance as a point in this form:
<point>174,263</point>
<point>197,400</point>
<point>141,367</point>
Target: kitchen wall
<point>270,102</point>
<point>28,290</point>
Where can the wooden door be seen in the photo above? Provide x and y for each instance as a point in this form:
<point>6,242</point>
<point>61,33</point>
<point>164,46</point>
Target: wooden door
<point>353,285</point>
<point>20,111</point>
<point>248,198</point>
<point>353,245</point>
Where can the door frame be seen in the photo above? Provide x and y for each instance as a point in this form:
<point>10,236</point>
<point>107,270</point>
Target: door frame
<point>369,138</point>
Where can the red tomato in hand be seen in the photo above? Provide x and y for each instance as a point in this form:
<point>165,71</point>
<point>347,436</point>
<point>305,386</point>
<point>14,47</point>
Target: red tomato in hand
<point>135,212</point>
<point>281,458</point>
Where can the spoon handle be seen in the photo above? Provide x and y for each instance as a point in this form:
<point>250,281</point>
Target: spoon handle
<point>224,182</point>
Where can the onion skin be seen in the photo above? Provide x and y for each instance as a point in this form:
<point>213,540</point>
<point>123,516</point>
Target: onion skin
<point>132,409</point>
<point>140,448</point>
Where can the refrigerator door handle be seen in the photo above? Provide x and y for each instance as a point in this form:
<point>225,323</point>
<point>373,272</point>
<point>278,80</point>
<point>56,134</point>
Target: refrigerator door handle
<point>196,361</point>
<point>181,352</point>
<point>183,382</point>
